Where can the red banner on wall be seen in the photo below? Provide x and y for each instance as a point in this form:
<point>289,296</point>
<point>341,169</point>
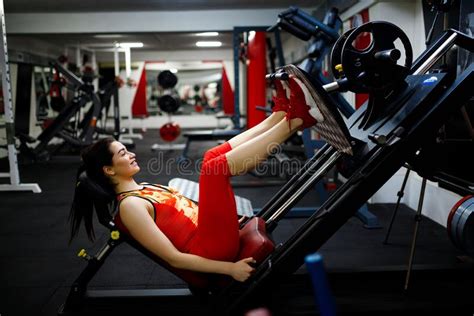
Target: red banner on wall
<point>227,94</point>
<point>139,107</point>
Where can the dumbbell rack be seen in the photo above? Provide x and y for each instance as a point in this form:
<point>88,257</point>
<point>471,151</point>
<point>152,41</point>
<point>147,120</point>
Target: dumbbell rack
<point>14,174</point>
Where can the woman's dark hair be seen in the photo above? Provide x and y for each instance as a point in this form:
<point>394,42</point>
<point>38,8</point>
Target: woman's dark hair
<point>93,189</point>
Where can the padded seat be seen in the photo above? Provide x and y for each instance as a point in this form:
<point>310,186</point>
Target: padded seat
<point>254,242</point>
<point>190,189</point>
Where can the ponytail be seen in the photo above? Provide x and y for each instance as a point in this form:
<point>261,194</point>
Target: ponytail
<point>93,190</point>
<point>82,208</point>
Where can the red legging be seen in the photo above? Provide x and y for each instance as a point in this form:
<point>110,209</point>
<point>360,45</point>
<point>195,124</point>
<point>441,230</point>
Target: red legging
<point>217,235</point>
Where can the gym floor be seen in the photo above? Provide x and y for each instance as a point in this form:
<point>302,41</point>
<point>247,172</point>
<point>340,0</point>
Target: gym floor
<point>38,265</point>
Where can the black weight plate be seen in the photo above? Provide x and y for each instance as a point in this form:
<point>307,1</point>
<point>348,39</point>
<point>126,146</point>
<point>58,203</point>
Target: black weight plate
<point>167,79</point>
<point>363,70</point>
<point>169,103</point>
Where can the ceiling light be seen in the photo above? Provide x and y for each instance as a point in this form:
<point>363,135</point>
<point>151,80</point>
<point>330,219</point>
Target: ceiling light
<point>129,45</point>
<point>209,44</point>
<point>108,36</point>
<point>174,70</point>
<point>207,34</point>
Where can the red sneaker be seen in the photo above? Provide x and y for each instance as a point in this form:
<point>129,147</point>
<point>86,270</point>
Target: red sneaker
<point>280,101</point>
<point>299,108</point>
<point>312,104</point>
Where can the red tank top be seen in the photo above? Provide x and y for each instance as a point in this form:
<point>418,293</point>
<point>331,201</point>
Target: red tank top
<point>175,215</point>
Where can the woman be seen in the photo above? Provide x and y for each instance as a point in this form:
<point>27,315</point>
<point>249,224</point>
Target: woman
<point>204,239</point>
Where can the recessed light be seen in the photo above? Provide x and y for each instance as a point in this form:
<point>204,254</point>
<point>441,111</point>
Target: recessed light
<point>129,45</point>
<point>209,44</point>
<point>108,36</point>
<point>207,34</point>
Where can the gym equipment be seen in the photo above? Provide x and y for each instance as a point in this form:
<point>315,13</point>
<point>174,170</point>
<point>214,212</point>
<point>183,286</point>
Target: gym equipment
<point>440,6</point>
<point>108,92</point>
<point>390,140</point>
<point>460,224</point>
<point>377,150</point>
<point>253,243</point>
<point>238,49</point>
<point>169,103</point>
<point>170,131</point>
<point>323,35</point>
<point>57,100</point>
<point>13,174</point>
<point>361,67</point>
<point>198,102</point>
<point>167,79</point>
<point>303,25</point>
<point>375,69</point>
<point>60,126</point>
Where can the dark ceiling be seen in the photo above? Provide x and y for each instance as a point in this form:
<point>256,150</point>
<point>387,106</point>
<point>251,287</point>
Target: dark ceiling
<point>147,5</point>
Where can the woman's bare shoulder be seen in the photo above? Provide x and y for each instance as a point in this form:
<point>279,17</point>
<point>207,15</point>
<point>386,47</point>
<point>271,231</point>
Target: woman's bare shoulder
<point>132,203</point>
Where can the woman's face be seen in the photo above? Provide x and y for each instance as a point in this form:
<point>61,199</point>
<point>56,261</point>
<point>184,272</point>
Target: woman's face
<point>124,163</point>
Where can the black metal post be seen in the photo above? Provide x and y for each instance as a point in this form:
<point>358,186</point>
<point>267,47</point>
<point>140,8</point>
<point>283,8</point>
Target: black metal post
<point>400,196</point>
<point>415,233</point>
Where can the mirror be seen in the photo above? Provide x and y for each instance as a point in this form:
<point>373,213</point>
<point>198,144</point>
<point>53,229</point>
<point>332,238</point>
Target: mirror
<point>197,91</point>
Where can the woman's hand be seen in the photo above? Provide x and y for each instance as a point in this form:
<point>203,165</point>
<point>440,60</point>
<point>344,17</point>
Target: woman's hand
<point>242,270</point>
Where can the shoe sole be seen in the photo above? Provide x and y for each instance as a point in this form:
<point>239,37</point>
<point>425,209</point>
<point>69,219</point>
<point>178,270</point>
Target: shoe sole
<point>332,129</point>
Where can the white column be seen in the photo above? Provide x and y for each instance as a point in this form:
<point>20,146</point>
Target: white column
<point>128,62</point>
<point>96,70</point>
<point>78,58</point>
<point>116,62</point>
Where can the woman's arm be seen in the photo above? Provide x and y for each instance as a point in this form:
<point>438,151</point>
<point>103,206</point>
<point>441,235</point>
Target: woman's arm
<point>135,216</point>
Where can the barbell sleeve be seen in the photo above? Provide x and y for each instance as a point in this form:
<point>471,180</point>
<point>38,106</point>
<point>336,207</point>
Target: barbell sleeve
<point>388,55</point>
